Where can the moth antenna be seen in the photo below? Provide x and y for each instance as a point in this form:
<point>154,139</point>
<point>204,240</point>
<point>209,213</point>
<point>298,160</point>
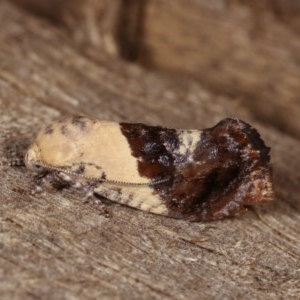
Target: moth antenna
<point>17,162</point>
<point>58,169</point>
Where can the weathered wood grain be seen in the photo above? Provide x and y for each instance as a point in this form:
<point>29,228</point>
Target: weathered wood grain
<point>243,49</point>
<point>55,246</point>
<point>248,50</point>
<point>90,23</point>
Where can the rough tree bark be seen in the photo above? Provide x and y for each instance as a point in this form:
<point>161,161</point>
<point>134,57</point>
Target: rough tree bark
<point>53,245</point>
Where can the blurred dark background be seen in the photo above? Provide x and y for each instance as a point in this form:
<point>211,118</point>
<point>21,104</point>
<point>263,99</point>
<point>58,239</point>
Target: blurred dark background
<point>248,50</point>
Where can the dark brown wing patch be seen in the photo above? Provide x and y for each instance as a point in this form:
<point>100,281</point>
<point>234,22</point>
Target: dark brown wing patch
<point>228,169</point>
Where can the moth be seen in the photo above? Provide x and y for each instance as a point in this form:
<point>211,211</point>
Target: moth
<point>196,175</point>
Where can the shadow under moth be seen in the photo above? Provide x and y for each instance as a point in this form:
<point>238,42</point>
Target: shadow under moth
<point>189,174</point>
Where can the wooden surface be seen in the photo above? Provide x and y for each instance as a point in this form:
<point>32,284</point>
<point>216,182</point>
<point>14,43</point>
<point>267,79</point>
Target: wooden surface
<point>245,49</point>
<point>248,50</point>
<point>54,245</point>
<point>90,23</point>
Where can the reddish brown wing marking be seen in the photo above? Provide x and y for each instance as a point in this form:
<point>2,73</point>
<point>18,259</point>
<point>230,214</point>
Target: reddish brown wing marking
<point>227,171</point>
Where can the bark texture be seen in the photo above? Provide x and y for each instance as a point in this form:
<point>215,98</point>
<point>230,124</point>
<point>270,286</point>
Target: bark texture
<point>248,50</point>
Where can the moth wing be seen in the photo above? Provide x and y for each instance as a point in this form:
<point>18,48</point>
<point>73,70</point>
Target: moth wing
<point>140,197</point>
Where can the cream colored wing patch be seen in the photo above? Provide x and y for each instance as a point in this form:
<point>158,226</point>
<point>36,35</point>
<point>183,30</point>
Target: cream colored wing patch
<point>95,149</point>
<point>140,197</point>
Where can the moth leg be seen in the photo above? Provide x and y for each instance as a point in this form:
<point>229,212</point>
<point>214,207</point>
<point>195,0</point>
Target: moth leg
<point>89,196</point>
<point>47,180</point>
<point>41,181</point>
<point>89,189</point>
<point>91,199</point>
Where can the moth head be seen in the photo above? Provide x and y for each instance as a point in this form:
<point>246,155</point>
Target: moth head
<point>51,149</point>
<point>32,158</point>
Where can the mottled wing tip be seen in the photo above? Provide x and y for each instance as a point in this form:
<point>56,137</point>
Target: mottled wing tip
<point>253,145</point>
<point>251,136</point>
<point>254,152</point>
<point>230,172</point>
